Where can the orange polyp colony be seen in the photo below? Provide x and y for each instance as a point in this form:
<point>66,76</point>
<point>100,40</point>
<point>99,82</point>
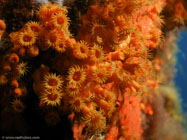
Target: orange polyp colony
<point>114,49</point>
<point>52,96</point>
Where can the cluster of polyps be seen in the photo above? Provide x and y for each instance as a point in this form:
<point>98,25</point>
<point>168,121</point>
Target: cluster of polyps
<point>98,74</point>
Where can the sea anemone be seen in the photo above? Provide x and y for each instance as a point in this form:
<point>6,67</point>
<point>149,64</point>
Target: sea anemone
<point>27,38</point>
<point>52,81</point>
<point>52,98</point>
<point>18,105</point>
<point>34,27</point>
<point>60,20</point>
<point>60,46</point>
<point>72,90</point>
<point>95,122</point>
<point>100,75</point>
<point>97,28</point>
<point>81,50</point>
<point>46,11</point>
<point>52,38</point>
<point>76,103</point>
<point>22,69</point>
<point>76,75</point>
<point>97,54</point>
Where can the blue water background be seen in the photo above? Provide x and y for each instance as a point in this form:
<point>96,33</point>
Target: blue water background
<point>181,75</point>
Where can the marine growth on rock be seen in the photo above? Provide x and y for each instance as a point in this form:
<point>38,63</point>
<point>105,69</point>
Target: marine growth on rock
<point>103,72</point>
